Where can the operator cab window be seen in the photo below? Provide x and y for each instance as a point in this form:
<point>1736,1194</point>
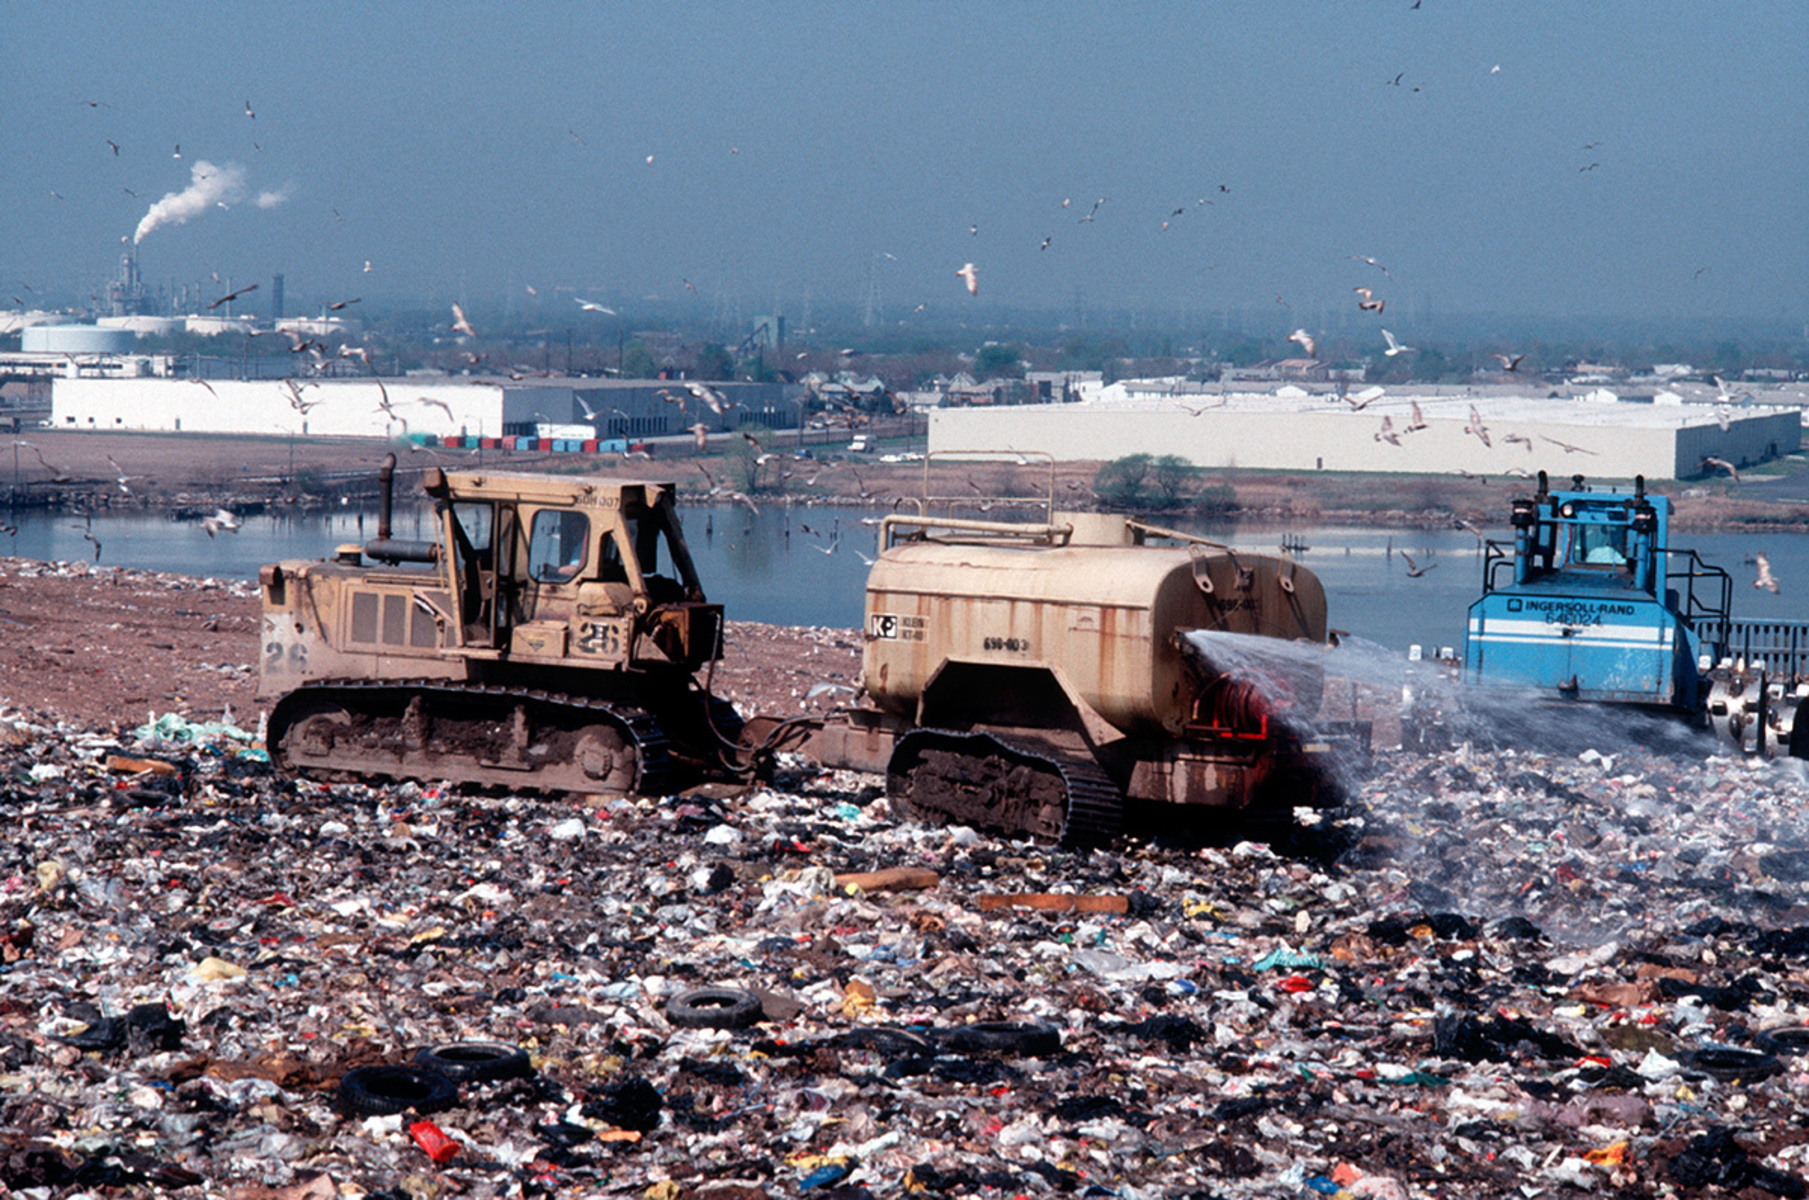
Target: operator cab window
<point>1599,545</point>
<point>475,521</point>
<point>556,545</point>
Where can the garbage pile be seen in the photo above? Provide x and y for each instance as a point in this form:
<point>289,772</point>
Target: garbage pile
<point>1497,974</point>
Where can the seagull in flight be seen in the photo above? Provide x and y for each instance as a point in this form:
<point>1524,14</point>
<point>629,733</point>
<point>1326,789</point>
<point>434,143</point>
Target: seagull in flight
<point>1394,346</point>
<point>1766,579</point>
<point>1364,258</point>
<point>1369,303</point>
<point>1092,211</point>
<point>56,473</point>
<point>717,402</point>
<point>970,274</point>
<point>1419,421</point>
<point>1509,362</point>
<point>1478,428</point>
<point>1721,464</point>
<point>1306,342</point>
<point>1387,433</point>
<point>1414,570</point>
<point>593,306</point>
<point>223,521</point>
<point>1565,446</point>
<point>122,476</point>
<point>231,296</point>
<point>1364,398</point>
<point>459,323</point>
<point>1520,440</point>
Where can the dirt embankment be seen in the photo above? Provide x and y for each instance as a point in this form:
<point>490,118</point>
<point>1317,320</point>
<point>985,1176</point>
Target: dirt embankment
<point>109,647</point>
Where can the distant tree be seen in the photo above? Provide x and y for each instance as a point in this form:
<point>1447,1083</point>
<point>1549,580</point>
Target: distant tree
<point>1728,359</point>
<point>638,362</point>
<point>1244,353</point>
<point>742,464</point>
<point>758,370</point>
<point>1215,500</point>
<point>1121,482</point>
<point>996,359</point>
<point>1430,365</point>
<point>1169,479</point>
<point>713,362</point>
<point>1088,354</point>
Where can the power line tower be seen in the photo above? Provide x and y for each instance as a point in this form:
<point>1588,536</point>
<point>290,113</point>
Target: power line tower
<point>870,313</point>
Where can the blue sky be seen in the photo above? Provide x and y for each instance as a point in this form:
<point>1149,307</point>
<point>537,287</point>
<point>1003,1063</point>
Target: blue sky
<point>1630,158</point>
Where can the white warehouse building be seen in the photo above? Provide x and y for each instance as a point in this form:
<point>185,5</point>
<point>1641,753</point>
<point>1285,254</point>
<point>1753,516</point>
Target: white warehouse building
<point>1422,431</point>
<point>399,407</point>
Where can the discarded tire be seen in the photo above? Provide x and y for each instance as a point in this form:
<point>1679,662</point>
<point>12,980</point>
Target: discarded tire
<point>381,1091</point>
<point>474,1062</point>
<point>1786,1039</point>
<point>1027,1039</point>
<point>1727,1063</point>
<point>713,1008</point>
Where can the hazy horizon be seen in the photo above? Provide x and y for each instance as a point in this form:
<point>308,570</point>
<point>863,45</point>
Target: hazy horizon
<point>1628,161</point>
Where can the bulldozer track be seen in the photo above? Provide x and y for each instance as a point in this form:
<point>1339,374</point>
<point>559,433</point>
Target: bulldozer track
<point>395,700</point>
<point>1002,784</point>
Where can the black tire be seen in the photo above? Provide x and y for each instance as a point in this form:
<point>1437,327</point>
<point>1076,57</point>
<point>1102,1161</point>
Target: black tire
<point>381,1091</point>
<point>1786,1039</point>
<point>713,1008</point>
<point>1025,1039</point>
<point>474,1062</point>
<point>1728,1064</point>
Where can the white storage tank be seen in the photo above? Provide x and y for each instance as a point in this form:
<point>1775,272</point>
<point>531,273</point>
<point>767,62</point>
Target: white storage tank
<point>75,339</point>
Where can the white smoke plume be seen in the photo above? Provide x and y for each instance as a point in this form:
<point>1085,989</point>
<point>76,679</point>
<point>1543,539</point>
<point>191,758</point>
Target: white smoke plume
<point>209,185</point>
<point>270,199</point>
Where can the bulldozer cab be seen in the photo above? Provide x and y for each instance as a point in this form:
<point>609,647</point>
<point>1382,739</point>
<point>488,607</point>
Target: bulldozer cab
<point>571,572</point>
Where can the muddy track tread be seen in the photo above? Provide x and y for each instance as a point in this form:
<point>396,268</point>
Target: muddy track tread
<point>654,764</point>
<point>1094,805</point>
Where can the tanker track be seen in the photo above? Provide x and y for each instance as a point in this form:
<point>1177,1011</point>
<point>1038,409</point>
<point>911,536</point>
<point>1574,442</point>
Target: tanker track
<point>962,775</point>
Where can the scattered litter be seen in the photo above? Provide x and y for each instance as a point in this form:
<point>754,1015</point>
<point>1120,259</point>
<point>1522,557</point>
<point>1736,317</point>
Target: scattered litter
<point>1464,984</point>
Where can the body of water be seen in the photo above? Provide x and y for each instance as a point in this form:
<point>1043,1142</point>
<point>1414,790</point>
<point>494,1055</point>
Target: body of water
<point>776,566</point>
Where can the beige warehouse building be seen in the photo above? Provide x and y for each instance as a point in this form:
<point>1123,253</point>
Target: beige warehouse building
<point>1294,430</point>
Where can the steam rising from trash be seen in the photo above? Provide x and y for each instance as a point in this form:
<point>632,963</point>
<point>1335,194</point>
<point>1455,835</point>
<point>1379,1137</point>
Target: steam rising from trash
<point>208,185</point>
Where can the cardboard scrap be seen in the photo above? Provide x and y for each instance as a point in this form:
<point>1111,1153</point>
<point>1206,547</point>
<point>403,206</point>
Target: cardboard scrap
<point>1054,902</point>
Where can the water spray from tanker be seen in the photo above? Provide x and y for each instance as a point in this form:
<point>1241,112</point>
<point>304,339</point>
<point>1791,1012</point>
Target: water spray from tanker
<point>209,186</point>
<point>1433,705</point>
<point>1485,749</point>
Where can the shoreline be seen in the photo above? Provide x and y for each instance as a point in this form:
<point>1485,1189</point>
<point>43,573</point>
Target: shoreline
<point>63,470</point>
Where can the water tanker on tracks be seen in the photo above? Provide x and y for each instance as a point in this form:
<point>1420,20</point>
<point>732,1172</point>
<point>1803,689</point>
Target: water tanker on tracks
<point>1039,677</point>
